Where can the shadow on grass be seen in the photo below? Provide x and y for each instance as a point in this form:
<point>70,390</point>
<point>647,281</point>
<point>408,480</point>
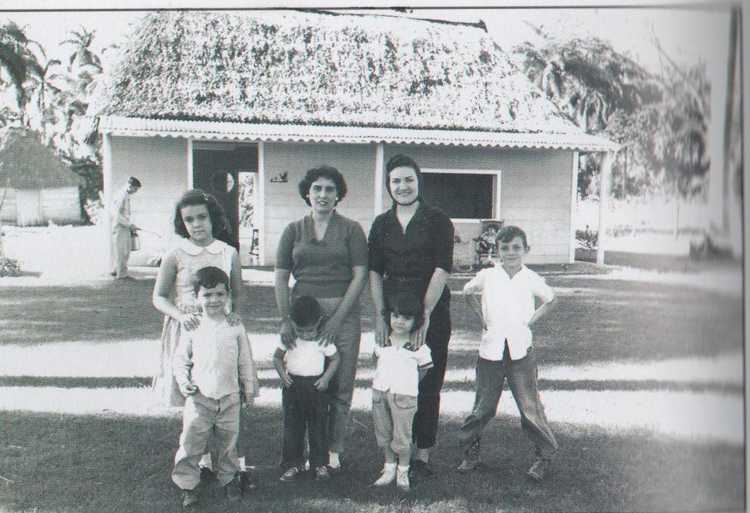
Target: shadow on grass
<point>591,321</point>
<point>94,464</point>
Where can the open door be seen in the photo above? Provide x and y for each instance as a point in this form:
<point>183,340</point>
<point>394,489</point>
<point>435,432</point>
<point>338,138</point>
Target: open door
<point>217,168</point>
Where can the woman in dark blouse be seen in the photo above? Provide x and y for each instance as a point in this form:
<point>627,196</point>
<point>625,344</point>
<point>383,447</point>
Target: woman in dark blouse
<point>327,255</point>
<point>411,247</point>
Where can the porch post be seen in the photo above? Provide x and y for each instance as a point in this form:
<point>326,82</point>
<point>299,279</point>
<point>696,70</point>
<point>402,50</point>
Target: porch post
<point>261,207</point>
<point>573,196</point>
<point>107,184</point>
<point>379,152</point>
<point>603,202</point>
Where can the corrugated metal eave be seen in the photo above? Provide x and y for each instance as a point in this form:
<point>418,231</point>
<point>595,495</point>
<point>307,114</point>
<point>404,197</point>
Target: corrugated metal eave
<point>208,130</point>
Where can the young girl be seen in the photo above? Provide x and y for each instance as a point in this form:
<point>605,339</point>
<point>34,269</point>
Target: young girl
<point>200,221</point>
<point>396,385</point>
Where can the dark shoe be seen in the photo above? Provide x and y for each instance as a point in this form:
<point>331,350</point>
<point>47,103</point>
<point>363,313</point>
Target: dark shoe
<point>291,474</point>
<point>190,498</point>
<point>248,481</point>
<point>421,470</point>
<point>471,458</point>
<point>538,469</point>
<point>322,474</point>
<point>232,490</point>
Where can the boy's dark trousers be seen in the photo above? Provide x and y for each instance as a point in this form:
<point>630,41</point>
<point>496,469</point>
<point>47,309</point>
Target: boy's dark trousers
<point>304,409</point>
<point>522,380</point>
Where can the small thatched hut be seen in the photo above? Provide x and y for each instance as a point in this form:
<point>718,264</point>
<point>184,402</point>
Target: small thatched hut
<point>207,99</point>
<point>36,186</point>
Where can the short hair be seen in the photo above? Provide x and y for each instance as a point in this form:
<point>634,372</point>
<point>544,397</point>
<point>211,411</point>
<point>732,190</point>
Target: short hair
<point>324,171</point>
<point>210,277</point>
<point>134,182</point>
<point>405,303</point>
<point>219,223</point>
<point>401,160</point>
<point>510,232</point>
<point>305,311</point>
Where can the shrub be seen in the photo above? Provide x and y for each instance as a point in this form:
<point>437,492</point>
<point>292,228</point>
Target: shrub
<point>587,239</point>
<point>9,267</point>
<point>94,210</point>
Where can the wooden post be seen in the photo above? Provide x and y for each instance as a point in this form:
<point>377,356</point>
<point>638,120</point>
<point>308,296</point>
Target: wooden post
<point>379,177</point>
<point>604,175</point>
<point>107,183</point>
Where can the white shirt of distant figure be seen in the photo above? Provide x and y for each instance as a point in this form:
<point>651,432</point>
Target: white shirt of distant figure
<point>508,301</point>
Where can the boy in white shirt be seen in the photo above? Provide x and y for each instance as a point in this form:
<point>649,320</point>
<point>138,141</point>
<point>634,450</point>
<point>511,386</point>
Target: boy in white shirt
<point>507,312</point>
<point>214,368</point>
<point>395,387</point>
<point>305,376</point>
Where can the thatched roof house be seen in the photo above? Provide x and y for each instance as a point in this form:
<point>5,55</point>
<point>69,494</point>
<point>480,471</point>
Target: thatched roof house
<point>273,80</point>
<point>36,184</point>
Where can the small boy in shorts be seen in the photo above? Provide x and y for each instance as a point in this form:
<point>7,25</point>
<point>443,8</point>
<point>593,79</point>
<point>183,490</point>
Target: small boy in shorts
<point>214,368</point>
<point>507,312</point>
<point>305,376</point>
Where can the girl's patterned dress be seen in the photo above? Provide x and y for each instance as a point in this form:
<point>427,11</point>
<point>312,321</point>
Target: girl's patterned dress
<point>189,259</point>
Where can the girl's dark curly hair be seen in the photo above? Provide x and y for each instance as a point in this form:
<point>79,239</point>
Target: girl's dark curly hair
<point>219,224</point>
<point>404,303</point>
<point>329,172</point>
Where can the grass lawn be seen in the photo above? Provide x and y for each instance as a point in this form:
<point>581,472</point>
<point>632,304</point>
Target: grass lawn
<point>64,462</point>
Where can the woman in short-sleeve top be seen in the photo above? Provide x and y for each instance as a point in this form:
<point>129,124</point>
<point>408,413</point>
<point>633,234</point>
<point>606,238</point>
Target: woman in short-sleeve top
<point>327,255</point>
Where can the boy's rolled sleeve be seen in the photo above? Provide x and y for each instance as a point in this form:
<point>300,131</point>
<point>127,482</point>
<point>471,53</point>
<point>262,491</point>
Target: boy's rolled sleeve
<point>424,357</point>
<point>182,362</point>
<point>476,284</point>
<point>246,366</point>
<point>542,290</point>
<point>329,350</point>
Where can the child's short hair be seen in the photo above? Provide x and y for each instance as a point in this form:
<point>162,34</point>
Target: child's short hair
<point>305,311</point>
<point>405,303</point>
<point>210,277</point>
<point>510,232</point>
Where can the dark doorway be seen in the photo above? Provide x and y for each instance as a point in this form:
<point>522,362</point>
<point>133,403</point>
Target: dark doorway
<point>216,169</point>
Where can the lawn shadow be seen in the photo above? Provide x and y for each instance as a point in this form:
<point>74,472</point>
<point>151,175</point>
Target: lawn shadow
<point>591,320</point>
<point>118,463</point>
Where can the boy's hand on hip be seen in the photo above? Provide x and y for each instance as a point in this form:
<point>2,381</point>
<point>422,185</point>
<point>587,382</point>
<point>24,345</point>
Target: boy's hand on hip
<point>321,384</point>
<point>287,380</point>
<point>189,389</point>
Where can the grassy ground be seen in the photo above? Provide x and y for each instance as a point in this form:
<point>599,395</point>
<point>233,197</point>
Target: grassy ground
<point>108,462</point>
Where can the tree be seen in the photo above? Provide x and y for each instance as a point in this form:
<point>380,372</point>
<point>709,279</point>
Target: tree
<point>44,88</point>
<point>598,88</point>
<point>17,63</point>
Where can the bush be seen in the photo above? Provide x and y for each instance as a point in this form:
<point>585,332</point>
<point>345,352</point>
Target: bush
<point>94,210</point>
<point>587,239</point>
<point>9,267</point>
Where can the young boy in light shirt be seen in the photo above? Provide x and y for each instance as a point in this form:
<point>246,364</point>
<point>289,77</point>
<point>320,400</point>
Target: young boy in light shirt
<point>507,312</point>
<point>305,376</point>
<point>214,368</point>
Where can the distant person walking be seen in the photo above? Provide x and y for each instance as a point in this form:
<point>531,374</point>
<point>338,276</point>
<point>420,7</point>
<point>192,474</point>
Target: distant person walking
<point>122,228</point>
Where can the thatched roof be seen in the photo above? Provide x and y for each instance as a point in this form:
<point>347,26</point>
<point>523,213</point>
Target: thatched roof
<point>307,68</point>
<point>26,163</point>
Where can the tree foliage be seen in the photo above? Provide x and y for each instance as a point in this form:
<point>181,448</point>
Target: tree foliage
<point>660,121</point>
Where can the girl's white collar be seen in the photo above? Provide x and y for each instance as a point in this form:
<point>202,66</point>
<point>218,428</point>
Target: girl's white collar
<point>215,248</point>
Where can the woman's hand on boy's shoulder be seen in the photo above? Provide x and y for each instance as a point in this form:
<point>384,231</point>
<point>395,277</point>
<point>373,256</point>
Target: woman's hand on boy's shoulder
<point>191,320</point>
<point>234,319</point>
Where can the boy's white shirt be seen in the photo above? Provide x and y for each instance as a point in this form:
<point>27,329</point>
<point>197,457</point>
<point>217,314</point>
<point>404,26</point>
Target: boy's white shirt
<point>507,307</point>
<point>398,368</point>
<point>214,358</point>
<point>121,208</point>
<point>307,358</point>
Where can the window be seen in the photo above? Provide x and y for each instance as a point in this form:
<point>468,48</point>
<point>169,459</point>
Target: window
<point>463,194</point>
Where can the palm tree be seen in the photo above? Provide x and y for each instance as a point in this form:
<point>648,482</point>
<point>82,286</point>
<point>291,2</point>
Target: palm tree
<point>17,62</point>
<point>83,56</point>
<point>43,86</point>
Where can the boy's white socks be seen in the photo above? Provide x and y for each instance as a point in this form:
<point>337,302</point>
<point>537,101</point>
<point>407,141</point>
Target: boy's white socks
<point>402,478</point>
<point>388,475</point>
